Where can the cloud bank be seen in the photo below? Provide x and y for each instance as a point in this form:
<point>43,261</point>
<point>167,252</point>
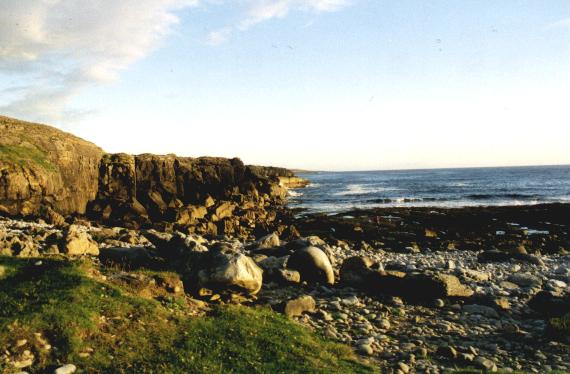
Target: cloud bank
<point>51,49</point>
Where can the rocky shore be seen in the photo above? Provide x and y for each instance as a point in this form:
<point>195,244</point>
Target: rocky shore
<point>403,308</point>
<point>49,174</point>
<point>409,289</point>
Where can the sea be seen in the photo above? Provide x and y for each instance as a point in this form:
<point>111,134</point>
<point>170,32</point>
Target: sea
<point>333,192</point>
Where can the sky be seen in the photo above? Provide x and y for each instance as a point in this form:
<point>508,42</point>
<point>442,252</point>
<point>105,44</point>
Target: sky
<point>311,84</point>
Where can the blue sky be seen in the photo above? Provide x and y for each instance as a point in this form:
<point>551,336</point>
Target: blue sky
<point>322,84</point>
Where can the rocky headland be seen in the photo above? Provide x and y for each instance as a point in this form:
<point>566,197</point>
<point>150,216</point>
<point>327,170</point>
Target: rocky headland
<point>410,290</point>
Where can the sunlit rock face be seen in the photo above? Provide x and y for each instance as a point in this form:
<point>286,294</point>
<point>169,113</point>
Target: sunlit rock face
<point>48,173</point>
<point>42,167</point>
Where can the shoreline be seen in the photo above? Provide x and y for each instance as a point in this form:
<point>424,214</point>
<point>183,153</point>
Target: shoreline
<point>541,227</point>
<point>418,289</point>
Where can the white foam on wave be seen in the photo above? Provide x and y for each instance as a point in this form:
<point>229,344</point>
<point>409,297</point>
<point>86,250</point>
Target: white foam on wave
<point>360,189</point>
<point>459,184</point>
<point>294,193</point>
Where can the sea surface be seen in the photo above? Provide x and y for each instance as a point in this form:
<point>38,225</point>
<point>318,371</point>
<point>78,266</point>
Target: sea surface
<point>340,191</point>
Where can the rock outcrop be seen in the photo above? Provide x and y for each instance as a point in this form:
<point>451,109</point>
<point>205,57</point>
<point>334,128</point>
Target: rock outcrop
<point>284,177</point>
<point>45,168</point>
<point>205,195</point>
<point>48,173</point>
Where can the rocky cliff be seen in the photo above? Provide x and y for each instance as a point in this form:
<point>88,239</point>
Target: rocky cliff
<point>284,177</point>
<point>206,195</point>
<point>42,168</point>
<point>46,172</point>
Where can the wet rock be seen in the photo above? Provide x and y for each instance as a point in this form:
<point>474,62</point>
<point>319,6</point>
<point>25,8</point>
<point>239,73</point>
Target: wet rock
<point>313,265</point>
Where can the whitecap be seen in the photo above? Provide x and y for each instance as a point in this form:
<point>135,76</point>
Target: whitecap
<point>294,193</point>
<point>360,189</point>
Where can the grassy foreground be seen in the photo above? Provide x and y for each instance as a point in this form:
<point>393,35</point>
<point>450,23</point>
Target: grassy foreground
<point>102,328</point>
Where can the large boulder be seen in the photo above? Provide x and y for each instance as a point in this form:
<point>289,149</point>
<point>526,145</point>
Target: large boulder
<point>356,271</point>
<point>268,241</point>
<point>313,265</point>
<point>550,304</point>
<point>226,270</point>
<point>364,274</point>
<point>77,241</point>
<point>502,256</point>
<point>435,286</point>
<point>41,166</point>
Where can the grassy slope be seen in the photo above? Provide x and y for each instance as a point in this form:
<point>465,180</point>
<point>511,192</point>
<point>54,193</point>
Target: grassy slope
<point>25,156</point>
<point>58,300</point>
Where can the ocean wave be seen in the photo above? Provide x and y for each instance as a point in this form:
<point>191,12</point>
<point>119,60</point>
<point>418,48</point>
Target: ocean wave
<point>294,193</point>
<point>407,200</point>
<point>459,184</point>
<point>361,189</point>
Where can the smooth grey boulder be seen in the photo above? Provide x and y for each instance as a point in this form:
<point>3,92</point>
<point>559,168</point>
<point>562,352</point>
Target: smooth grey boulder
<point>313,265</point>
<point>230,271</point>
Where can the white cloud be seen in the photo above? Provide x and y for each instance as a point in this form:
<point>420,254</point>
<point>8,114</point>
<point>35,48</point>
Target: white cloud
<point>263,10</point>
<point>258,11</point>
<point>50,50</point>
<point>60,46</point>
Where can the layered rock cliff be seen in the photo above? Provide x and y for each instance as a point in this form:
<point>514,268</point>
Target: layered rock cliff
<point>49,173</point>
<point>45,168</point>
<point>206,195</point>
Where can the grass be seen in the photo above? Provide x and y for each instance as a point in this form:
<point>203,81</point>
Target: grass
<point>102,328</point>
<point>25,156</point>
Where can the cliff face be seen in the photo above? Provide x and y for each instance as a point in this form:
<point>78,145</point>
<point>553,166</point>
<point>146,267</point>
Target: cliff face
<point>45,168</point>
<point>46,172</point>
<point>206,195</point>
<point>284,177</point>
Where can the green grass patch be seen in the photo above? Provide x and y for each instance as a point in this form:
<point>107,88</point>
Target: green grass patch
<point>102,328</point>
<point>26,156</point>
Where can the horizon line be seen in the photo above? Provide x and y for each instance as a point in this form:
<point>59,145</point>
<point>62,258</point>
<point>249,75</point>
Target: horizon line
<point>300,170</point>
